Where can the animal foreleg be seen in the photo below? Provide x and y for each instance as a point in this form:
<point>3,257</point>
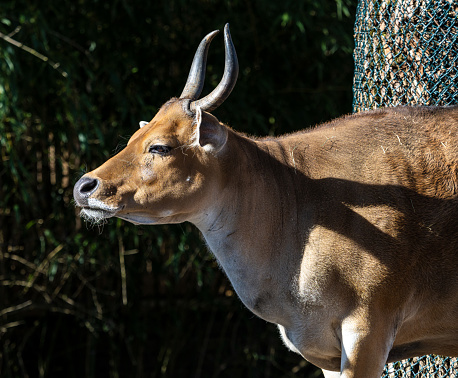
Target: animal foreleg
<point>365,348</point>
<point>331,374</point>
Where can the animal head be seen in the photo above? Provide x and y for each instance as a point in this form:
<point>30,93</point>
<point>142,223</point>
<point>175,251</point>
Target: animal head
<point>163,174</point>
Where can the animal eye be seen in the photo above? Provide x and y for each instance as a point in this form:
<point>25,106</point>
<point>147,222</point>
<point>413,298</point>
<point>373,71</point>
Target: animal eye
<point>159,149</point>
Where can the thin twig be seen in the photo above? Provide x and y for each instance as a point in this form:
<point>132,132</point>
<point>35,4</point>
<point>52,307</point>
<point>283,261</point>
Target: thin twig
<point>20,260</point>
<point>4,327</point>
<point>14,32</point>
<point>15,308</point>
<point>44,265</point>
<point>66,276</point>
<point>123,271</point>
<point>33,52</point>
<point>26,284</point>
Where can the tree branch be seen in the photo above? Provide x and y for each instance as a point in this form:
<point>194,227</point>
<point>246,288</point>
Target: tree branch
<point>34,53</point>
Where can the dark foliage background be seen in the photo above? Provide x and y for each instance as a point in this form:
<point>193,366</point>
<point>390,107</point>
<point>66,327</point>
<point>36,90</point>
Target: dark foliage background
<point>75,79</point>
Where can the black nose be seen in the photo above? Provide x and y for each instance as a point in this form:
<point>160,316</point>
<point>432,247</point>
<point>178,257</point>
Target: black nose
<point>83,189</point>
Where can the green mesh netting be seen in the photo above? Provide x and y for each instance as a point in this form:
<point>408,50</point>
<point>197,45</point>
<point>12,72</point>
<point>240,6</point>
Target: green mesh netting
<point>423,367</point>
<point>406,53</point>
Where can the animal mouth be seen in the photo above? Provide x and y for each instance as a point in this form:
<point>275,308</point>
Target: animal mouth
<point>97,211</point>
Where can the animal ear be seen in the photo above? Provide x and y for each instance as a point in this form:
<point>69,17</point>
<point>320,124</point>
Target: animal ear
<point>142,123</point>
<point>210,134</point>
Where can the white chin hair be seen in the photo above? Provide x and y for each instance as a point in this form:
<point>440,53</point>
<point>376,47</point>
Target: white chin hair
<point>95,215</point>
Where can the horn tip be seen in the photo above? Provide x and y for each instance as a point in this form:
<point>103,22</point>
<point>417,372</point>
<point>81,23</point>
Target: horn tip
<point>227,33</point>
<point>211,35</point>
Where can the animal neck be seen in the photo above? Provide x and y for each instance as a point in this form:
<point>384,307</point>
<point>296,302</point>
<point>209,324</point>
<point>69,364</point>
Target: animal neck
<point>245,229</point>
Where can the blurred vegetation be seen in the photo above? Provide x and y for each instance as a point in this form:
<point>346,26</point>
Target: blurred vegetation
<point>75,79</point>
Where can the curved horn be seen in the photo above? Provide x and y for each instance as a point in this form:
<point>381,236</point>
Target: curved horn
<point>227,83</point>
<point>196,77</point>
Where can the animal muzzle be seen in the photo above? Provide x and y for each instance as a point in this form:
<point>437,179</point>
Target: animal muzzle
<point>84,188</point>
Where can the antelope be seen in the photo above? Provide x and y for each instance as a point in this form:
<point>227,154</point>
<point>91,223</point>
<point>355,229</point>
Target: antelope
<point>344,235</point>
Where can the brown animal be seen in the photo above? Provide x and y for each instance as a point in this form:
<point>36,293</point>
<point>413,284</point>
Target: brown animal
<point>346,236</point>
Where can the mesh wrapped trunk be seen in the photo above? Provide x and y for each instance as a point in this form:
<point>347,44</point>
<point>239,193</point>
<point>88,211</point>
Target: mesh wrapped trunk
<point>406,53</point>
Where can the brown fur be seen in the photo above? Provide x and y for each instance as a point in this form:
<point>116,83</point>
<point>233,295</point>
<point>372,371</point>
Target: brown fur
<point>345,235</point>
